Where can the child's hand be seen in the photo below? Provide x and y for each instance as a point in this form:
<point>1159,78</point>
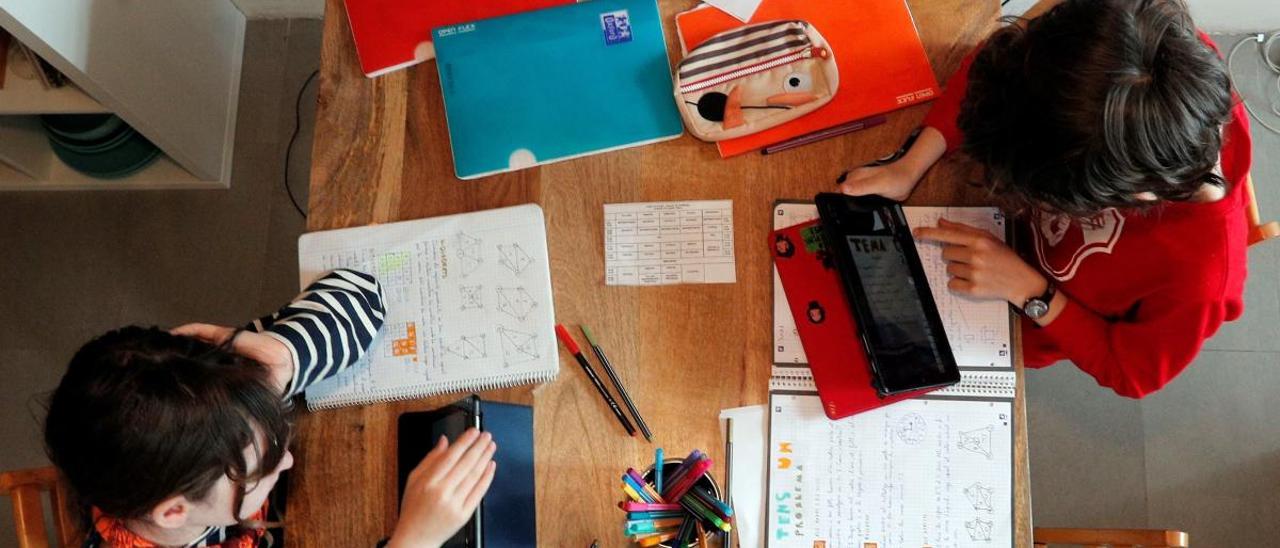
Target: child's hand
<point>893,181</point>
<point>982,266</point>
<point>444,489</point>
<point>255,346</point>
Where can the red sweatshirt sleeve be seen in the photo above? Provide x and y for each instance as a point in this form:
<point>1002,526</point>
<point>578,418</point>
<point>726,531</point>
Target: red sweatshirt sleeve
<point>1120,354</point>
<point>946,109</point>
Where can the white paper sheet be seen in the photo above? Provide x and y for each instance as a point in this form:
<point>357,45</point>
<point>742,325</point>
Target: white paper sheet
<point>916,473</point>
<point>741,10</point>
<point>748,428</point>
<point>661,243</point>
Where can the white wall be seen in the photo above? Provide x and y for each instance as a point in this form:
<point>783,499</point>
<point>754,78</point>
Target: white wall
<point>1236,15</point>
<point>281,9</point>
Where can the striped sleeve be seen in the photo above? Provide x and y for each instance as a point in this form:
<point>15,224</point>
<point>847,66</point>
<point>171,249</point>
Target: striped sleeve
<point>328,327</point>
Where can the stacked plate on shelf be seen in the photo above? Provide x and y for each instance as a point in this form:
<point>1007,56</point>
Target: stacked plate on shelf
<point>98,145</point>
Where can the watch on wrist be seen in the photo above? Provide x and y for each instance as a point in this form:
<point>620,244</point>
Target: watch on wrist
<point>1036,307</point>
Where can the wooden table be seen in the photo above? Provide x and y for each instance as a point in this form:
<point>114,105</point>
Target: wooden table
<point>685,352</point>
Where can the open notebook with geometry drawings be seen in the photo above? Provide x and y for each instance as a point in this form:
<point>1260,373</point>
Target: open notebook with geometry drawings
<point>468,302</point>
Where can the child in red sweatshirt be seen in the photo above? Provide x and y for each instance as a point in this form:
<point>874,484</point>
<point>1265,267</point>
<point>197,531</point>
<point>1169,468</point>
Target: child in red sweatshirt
<point>1111,128</point>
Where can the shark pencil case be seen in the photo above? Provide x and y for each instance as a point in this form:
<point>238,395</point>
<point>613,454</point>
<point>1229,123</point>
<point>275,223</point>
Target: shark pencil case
<point>752,78</point>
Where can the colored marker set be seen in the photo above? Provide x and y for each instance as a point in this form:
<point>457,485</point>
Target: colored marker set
<point>680,507</point>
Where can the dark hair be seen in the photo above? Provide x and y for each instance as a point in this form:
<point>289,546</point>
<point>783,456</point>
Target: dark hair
<point>142,415</point>
<point>1096,101</point>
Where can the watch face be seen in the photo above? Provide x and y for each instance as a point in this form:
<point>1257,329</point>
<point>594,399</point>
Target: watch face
<point>1036,309</point>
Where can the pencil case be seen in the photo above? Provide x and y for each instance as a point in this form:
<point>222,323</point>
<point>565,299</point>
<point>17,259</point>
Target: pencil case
<point>752,78</point>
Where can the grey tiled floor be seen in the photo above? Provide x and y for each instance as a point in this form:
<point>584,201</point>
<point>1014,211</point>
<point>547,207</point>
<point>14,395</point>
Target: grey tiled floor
<point>1201,455</point>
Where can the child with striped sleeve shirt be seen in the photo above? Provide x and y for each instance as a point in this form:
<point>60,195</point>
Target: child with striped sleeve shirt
<point>176,438</point>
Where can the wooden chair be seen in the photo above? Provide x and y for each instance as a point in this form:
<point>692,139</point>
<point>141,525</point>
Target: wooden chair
<point>25,488</point>
<point>1258,231</point>
<point>1098,538</point>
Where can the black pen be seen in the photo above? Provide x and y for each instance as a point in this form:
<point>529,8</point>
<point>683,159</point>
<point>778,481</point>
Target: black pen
<point>595,379</point>
<point>617,383</point>
<point>897,154</point>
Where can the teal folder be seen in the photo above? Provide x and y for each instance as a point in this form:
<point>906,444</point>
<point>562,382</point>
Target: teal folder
<point>555,84</point>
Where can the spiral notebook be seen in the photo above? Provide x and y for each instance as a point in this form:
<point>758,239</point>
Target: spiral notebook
<point>935,470</point>
<point>468,302</point>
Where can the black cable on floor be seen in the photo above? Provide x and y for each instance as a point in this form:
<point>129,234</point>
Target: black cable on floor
<point>288,151</point>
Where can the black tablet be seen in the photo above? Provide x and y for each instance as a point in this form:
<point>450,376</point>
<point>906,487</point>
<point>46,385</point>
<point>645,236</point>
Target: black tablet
<point>873,250</point>
<point>418,433</point>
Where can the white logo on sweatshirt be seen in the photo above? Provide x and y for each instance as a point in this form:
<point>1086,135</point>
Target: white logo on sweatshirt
<point>1098,235</point>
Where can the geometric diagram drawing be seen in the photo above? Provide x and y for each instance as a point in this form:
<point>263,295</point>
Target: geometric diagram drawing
<point>469,253</point>
<point>977,441</point>
<point>468,347</point>
<point>518,346</point>
<point>979,529</point>
<point>516,302</point>
<point>911,428</point>
<point>980,496</point>
<point>514,257</point>
<point>470,296</point>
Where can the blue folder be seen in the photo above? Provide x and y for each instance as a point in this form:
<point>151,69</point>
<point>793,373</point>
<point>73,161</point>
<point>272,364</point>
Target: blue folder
<point>555,84</point>
<point>510,520</point>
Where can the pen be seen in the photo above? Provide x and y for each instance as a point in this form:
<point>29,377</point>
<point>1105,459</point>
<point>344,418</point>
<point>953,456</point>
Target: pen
<point>617,383</point>
<point>591,374</point>
<point>834,131</point>
<point>897,154</point>
<point>726,537</point>
<point>657,469</point>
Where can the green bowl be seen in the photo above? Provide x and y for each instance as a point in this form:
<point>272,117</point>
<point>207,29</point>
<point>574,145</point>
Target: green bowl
<point>125,159</point>
<point>82,127</point>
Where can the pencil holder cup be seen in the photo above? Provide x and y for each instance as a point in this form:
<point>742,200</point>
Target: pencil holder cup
<point>706,482</point>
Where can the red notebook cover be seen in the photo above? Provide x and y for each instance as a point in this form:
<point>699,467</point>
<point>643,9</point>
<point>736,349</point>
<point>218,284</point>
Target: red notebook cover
<point>825,323</point>
<point>394,34</point>
<point>883,65</point>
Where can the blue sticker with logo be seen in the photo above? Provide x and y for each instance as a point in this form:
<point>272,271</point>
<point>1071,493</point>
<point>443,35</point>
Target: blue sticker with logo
<point>616,26</point>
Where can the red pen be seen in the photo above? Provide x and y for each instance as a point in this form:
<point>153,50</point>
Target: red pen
<point>568,342</point>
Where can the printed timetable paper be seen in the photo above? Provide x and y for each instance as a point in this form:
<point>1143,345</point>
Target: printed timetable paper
<point>660,243</point>
<point>468,302</point>
<point>921,472</point>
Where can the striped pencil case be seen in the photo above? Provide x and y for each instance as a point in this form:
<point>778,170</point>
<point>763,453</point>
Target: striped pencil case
<point>752,78</point>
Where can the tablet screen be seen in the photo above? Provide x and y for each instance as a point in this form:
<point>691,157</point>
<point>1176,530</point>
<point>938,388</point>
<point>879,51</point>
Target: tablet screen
<point>900,329</point>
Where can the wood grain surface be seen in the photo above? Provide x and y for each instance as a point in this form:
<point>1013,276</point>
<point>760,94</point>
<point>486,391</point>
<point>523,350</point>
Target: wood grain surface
<point>381,154</point>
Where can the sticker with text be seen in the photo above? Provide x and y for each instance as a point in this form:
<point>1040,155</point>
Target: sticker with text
<point>616,26</point>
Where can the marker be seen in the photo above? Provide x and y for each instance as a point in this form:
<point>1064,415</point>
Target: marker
<point>656,515</point>
<point>848,127</point>
<point>626,488</point>
<point>591,374</point>
<point>631,483</point>
<point>631,506</point>
<point>657,469</point>
<point>644,486</point>
<point>617,383</point>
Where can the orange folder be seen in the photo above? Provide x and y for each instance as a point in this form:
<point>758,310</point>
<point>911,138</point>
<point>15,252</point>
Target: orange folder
<point>882,63</point>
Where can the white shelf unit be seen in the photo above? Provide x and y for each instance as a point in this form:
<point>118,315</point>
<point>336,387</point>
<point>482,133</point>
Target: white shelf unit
<point>28,96</point>
<point>169,68</point>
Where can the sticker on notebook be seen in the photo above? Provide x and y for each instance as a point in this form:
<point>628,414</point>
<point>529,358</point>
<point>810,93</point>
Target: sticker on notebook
<point>616,26</point>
